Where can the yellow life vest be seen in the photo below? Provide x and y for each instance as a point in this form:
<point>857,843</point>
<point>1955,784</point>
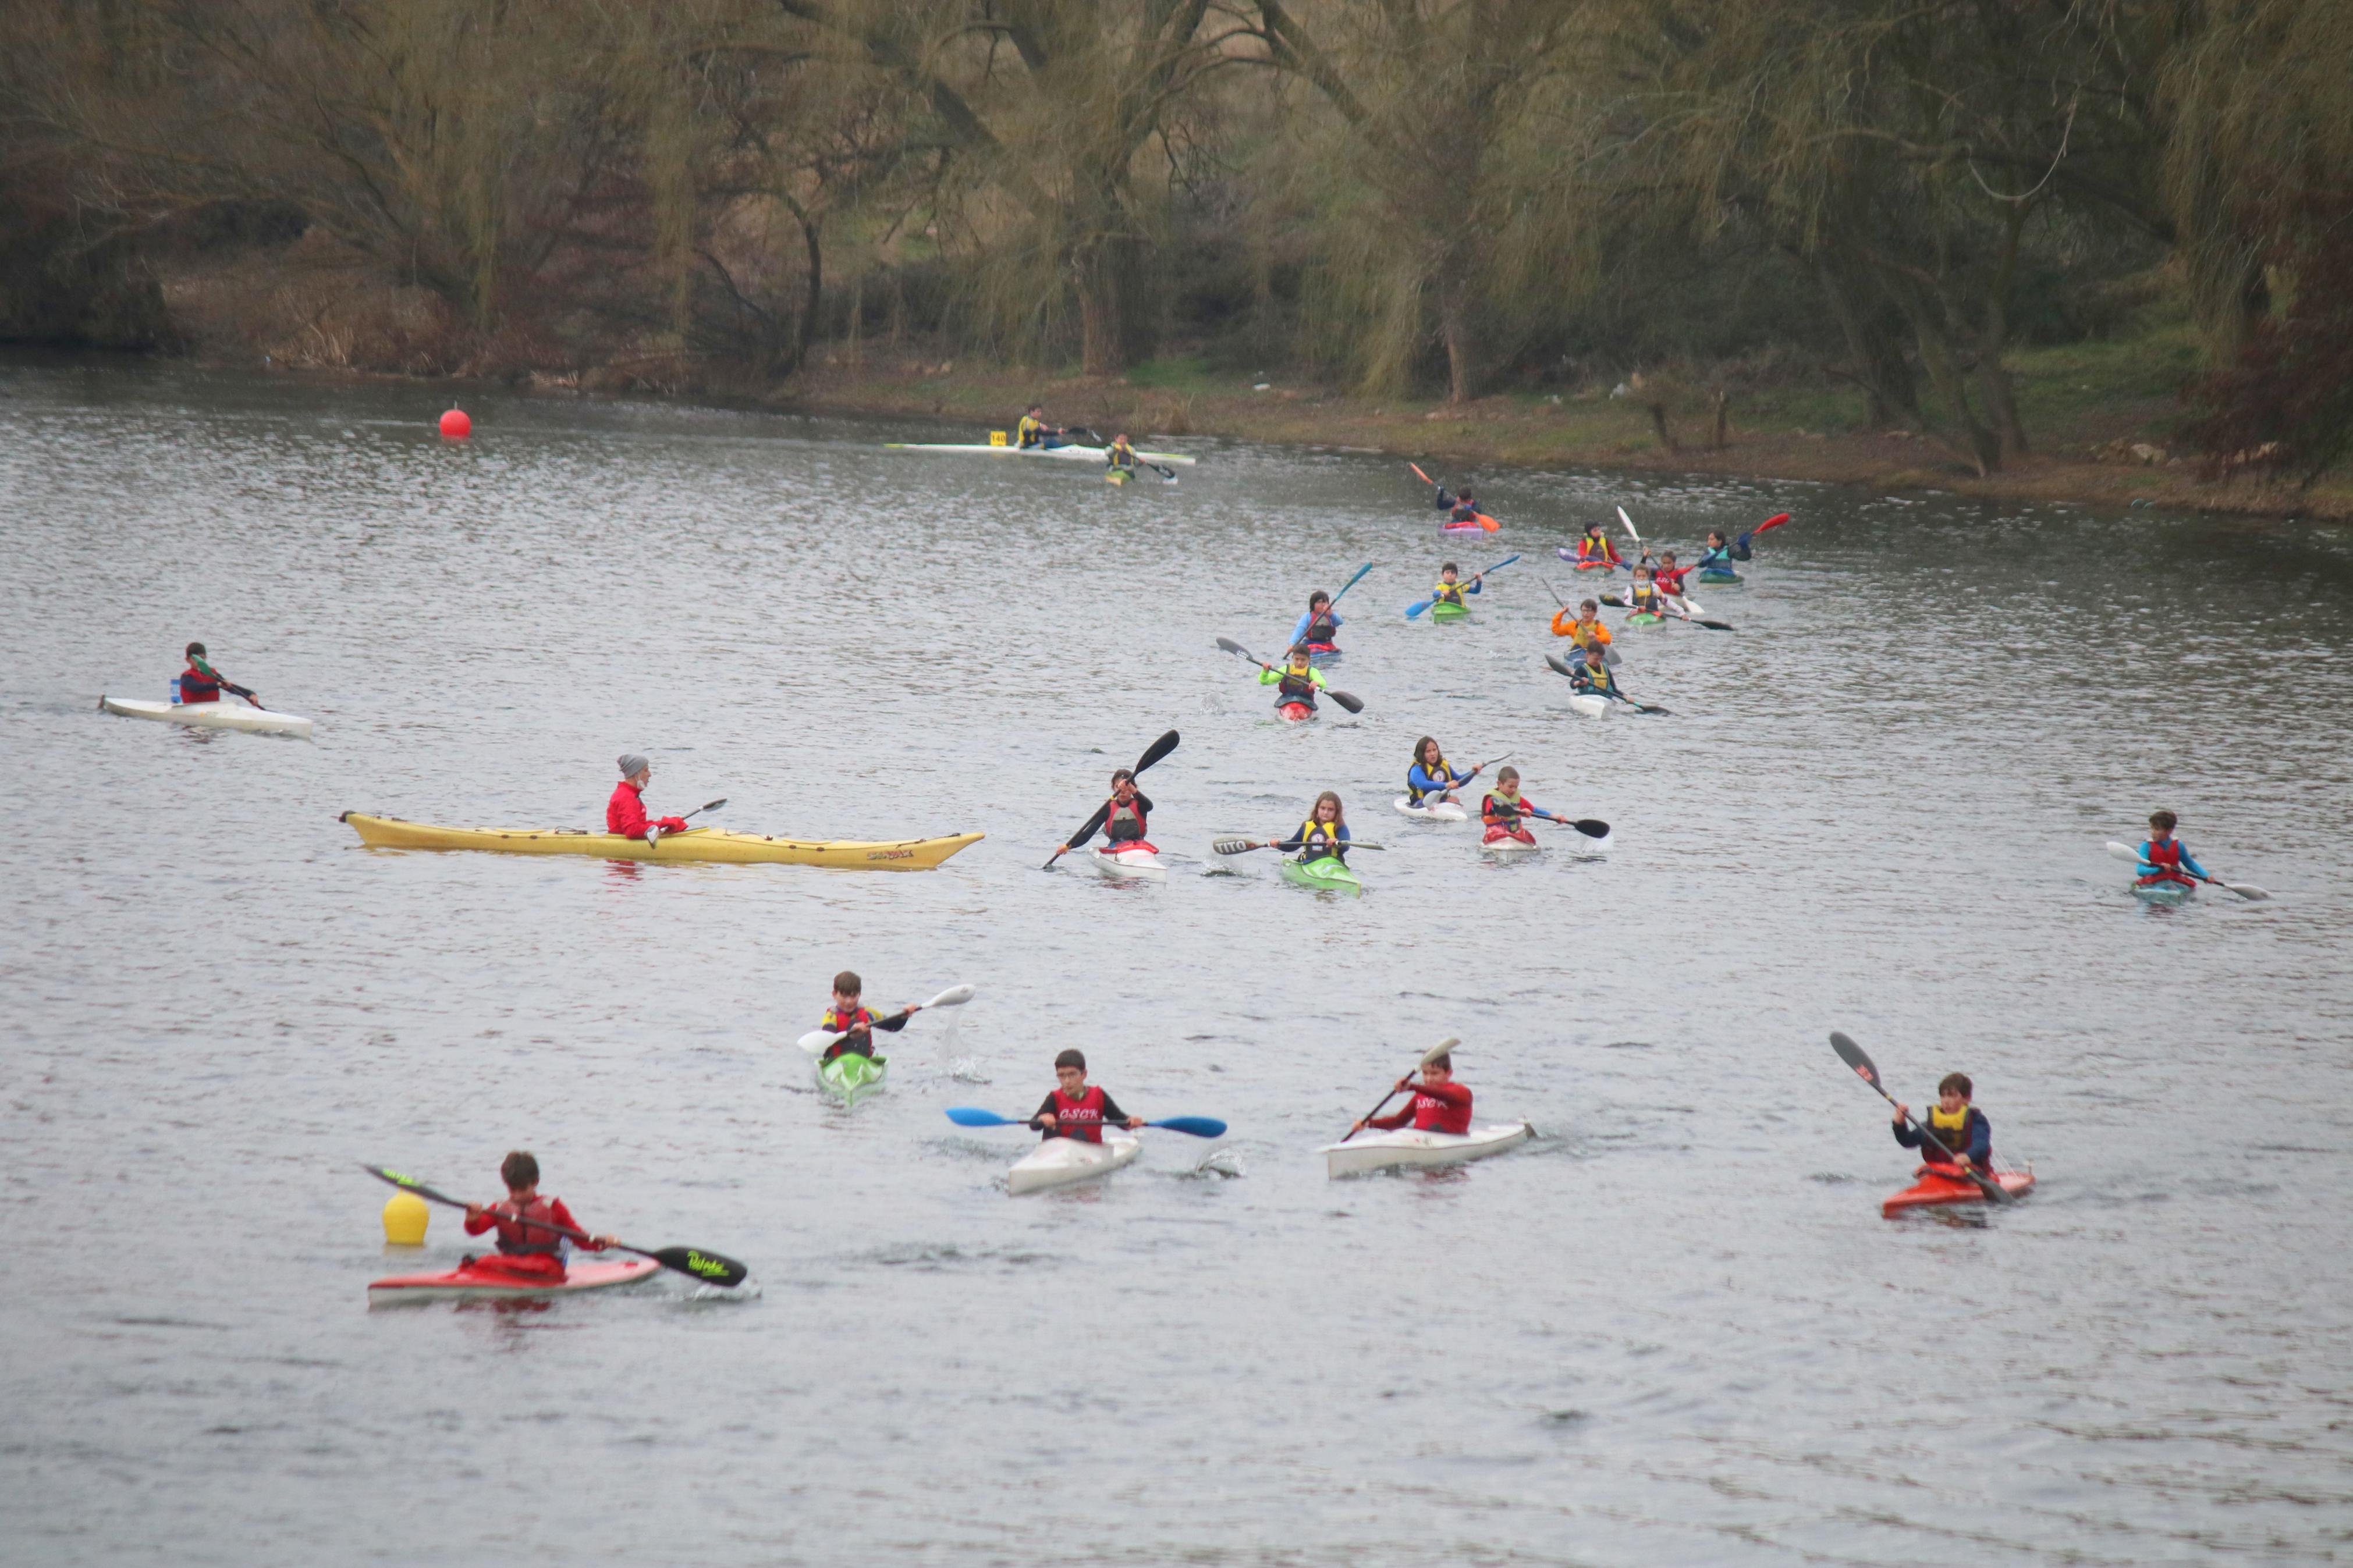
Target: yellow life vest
<point>1317,838</point>
<point>1442,774</point>
<point>1447,593</point>
<point>1029,432</point>
<point>1952,1131</point>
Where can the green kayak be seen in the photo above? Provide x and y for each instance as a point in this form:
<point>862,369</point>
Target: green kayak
<point>1714,576</point>
<point>1644,618</point>
<point>1326,874</point>
<point>850,1076</point>
<point>1448,611</point>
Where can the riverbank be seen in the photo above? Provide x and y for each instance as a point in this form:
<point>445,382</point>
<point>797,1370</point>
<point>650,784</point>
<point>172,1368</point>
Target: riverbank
<point>2099,413</point>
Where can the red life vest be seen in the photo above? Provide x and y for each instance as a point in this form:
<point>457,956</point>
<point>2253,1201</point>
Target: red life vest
<point>1671,578</point>
<point>2165,861</point>
<point>1432,1114</point>
<point>1116,819</point>
<point>1086,1110</point>
<point>1592,549</point>
<point>521,1241</point>
<point>195,685</point>
<point>860,1018</point>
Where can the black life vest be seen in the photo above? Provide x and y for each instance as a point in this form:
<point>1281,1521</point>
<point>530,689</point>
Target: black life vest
<point>1321,630</point>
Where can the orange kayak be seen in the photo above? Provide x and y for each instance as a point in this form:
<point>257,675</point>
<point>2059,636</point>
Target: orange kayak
<point>1935,1186</point>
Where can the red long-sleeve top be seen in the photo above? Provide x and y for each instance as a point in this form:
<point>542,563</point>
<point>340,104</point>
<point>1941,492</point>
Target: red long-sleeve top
<point>1436,1108</point>
<point>624,814</point>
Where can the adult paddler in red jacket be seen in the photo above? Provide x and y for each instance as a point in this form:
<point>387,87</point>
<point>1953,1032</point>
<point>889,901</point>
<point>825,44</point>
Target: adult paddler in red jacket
<point>526,1250</point>
<point>1440,1104</point>
<point>624,814</point>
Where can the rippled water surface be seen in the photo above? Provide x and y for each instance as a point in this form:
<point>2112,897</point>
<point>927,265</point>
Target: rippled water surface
<point>1674,1331</point>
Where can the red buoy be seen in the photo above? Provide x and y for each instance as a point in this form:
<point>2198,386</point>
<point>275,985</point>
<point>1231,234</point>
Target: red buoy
<point>454,426</point>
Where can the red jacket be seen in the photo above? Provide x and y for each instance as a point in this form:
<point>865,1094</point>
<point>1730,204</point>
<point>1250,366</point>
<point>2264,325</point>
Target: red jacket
<point>624,814</point>
<point>525,1238</point>
<point>1436,1108</point>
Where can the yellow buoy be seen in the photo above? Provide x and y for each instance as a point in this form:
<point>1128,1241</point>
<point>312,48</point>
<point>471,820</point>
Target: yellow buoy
<point>405,1217</point>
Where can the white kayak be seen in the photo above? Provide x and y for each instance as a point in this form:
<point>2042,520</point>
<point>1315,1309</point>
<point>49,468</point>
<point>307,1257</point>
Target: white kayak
<point>1369,1151</point>
<point>1436,811</point>
<point>221,715</point>
<point>1058,1162</point>
<point>1066,454</point>
<point>1135,862</point>
<point>1589,706</point>
<point>1510,849</point>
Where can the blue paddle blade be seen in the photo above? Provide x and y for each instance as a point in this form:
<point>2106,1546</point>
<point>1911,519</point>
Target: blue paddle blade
<point>1198,1126</point>
<point>973,1116</point>
<point>1413,610</point>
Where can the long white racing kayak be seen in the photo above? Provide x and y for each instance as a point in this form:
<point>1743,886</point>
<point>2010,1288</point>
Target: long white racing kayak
<point>1372,1151</point>
<point>1066,454</point>
<point>1058,1162</point>
<point>221,715</point>
<point>1436,811</point>
<point>1129,862</point>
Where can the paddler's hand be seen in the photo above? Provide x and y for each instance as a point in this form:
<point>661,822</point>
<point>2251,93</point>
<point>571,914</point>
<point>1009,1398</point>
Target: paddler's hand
<point>1134,1122</point>
<point>599,1243</point>
<point>672,825</point>
<point>1356,1127</point>
<point>476,1211</point>
<point>1902,1114</point>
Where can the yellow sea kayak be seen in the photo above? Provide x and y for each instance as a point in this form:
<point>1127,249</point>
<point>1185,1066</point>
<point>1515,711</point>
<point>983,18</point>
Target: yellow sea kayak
<point>694,844</point>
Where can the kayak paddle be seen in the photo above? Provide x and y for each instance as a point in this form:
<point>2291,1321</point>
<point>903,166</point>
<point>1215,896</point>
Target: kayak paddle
<point>1353,581</point>
<point>1244,846</point>
<point>1152,753</point>
<point>1628,522</point>
<point>654,835</point>
<point>1427,1057</point>
<point>973,1116</point>
<point>1559,668</point>
<point>1591,826</point>
<point>1618,604</point>
<point>692,1262</point>
<point>1609,654</point>
<point>2246,891</point>
<point>1411,611</point>
<point>816,1042</point>
<point>1855,1058</point>
<point>1352,704</point>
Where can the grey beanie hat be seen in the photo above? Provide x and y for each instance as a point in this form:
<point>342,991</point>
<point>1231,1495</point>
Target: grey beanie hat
<point>633,764</point>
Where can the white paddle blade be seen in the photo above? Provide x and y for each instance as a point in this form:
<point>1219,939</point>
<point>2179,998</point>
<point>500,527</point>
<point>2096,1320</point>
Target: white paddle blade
<point>953,997</point>
<point>1628,522</point>
<point>816,1040</point>
<point>2123,851</point>
<point>2247,891</point>
<point>1436,1051</point>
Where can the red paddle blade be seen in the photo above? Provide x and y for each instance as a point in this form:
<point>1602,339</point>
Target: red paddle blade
<point>1417,474</point>
<point>1775,521</point>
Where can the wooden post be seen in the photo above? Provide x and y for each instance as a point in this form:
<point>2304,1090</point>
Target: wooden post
<point>1659,422</point>
<point>1722,422</point>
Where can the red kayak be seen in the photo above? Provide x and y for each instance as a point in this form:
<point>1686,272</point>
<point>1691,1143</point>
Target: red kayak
<point>1937,1186</point>
<point>1482,523</point>
<point>489,1281</point>
<point>1297,712</point>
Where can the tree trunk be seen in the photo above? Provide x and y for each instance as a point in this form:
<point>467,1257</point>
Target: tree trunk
<point>1879,367</point>
<point>1993,337</point>
<point>1111,290</point>
<point>804,334</point>
<point>1465,370</point>
<point>1945,375</point>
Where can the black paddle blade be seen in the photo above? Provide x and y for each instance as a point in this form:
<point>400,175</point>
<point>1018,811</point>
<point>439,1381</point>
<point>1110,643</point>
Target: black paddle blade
<point>1856,1058</point>
<point>1352,704</point>
<point>411,1185</point>
<point>1559,667</point>
<point>1591,826</point>
<point>1712,626</point>
<point>708,1266</point>
<point>1158,749</point>
<point>1232,646</point>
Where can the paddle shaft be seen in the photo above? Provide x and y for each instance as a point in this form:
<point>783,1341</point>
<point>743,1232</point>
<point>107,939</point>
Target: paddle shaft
<point>1437,1050</point>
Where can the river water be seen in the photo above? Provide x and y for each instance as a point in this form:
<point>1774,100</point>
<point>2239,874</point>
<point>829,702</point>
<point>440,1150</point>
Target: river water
<point>1675,1330</point>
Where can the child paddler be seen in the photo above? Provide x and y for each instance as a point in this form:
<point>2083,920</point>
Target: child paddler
<point>1318,629</point>
<point>1451,588</point>
<point>1595,551</point>
<point>1958,1125</point>
<point>1034,432</point>
<point>200,682</point>
<point>2165,858</point>
<point>624,814</point>
<point>1669,579</point>
<point>525,1250</point>
<point>1124,813</point>
<point>1076,1108</point>
<point>1120,455</point>
<point>1644,598</point>
<point>1432,777</point>
<point>1503,809</point>
<point>1593,677</point>
<point>1581,625</point>
<point>848,1018</point>
<point>1324,835</point>
<point>1297,681</point>
<point>1458,509</point>
<point>1440,1104</point>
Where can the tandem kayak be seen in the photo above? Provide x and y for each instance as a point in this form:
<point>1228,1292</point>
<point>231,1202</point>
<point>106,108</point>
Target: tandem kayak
<point>477,1282</point>
<point>1136,860</point>
<point>2163,892</point>
<point>1936,1188</point>
<point>849,1077</point>
<point>713,844</point>
<point>1058,1162</point>
<point>1326,875</point>
<point>1065,453</point>
<point>1373,1152</point>
<point>1448,611</point>
<point>211,716</point>
<point>1435,811</point>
